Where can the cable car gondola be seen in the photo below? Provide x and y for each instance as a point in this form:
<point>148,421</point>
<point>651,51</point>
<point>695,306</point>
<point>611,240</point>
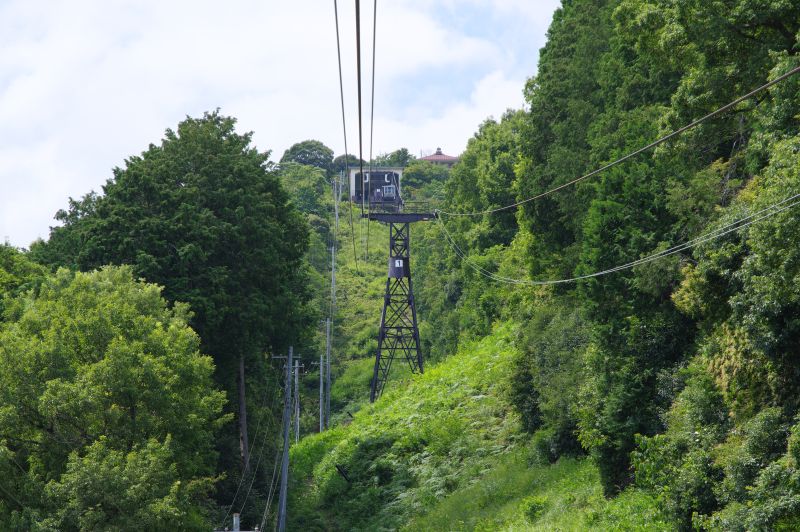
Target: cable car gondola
<point>379,188</point>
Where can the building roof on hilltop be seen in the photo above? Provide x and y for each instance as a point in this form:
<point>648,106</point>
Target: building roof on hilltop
<point>439,157</point>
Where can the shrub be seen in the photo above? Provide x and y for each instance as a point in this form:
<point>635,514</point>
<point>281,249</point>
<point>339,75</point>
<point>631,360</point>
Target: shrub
<point>678,466</point>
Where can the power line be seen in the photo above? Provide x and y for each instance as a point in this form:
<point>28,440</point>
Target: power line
<point>261,454</point>
<point>255,438</point>
<point>270,494</point>
<point>712,235</point>
<point>344,129</point>
<point>287,397</point>
<point>273,482</point>
<point>255,472</point>
<point>632,154</point>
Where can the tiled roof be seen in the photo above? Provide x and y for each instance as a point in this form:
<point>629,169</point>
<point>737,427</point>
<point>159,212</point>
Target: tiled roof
<point>439,157</point>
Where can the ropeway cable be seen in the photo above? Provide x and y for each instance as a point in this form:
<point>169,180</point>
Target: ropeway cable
<point>344,130</point>
<point>653,144</point>
<point>717,233</point>
<point>371,121</point>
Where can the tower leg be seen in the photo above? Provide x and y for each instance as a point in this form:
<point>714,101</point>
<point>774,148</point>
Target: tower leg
<point>398,334</point>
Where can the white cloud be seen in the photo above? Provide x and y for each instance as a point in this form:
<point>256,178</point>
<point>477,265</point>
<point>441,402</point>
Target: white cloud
<point>85,84</point>
<point>451,129</point>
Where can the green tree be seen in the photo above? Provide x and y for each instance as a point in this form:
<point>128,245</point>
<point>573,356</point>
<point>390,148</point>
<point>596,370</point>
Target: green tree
<point>308,186</point>
<point>544,386</point>
<point>484,178</point>
<point>17,274</point>
<point>400,157</point>
<point>109,411</point>
<point>310,153</point>
<point>422,179</point>
<point>564,97</point>
<point>343,162</point>
<point>203,215</point>
<point>66,249</point>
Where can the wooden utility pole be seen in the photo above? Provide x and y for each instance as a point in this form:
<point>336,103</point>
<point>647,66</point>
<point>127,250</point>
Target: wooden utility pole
<point>328,372</point>
<point>321,392</point>
<point>328,325</point>
<point>287,415</point>
<point>296,401</point>
<point>243,439</point>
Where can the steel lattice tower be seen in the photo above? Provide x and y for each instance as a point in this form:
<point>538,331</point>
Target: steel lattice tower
<point>398,336</point>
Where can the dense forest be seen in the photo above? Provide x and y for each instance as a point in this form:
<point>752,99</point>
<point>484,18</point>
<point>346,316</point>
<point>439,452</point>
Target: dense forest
<point>137,343</point>
<point>674,381</point>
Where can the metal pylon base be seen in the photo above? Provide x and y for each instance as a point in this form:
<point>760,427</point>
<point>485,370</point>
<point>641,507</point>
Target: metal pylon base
<point>398,335</point>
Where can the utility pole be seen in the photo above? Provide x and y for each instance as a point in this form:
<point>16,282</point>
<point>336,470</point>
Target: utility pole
<point>329,321</point>
<point>337,192</point>
<point>287,413</point>
<point>321,392</point>
<point>328,371</point>
<point>296,401</point>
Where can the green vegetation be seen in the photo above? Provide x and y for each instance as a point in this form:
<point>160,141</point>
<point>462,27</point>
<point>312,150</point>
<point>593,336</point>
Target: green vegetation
<point>520,495</point>
<point>443,451</point>
<point>421,441</point>
<point>109,411</point>
<point>205,215</point>
<point>309,153</point>
<point>678,378</point>
<point>662,396</point>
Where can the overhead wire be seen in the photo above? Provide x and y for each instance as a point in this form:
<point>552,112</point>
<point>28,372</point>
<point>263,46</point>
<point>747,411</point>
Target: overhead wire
<point>273,484</point>
<point>712,235</point>
<point>255,438</point>
<point>360,128</point>
<point>331,308</point>
<point>634,153</point>
<point>371,120</point>
<point>275,396</point>
<point>344,130</point>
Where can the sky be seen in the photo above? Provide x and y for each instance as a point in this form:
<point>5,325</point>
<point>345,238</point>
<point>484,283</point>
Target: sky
<point>86,84</point>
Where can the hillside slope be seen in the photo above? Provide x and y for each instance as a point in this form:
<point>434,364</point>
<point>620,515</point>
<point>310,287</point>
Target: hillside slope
<point>423,439</point>
<point>444,451</point>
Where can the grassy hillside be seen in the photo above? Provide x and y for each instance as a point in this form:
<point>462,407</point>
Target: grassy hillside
<point>425,438</point>
<point>678,377</point>
<point>361,278</point>
<point>519,495</point>
<point>444,451</point>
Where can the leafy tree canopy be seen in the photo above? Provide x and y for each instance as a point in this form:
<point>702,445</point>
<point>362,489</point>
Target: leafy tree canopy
<point>201,215</point>
<point>419,173</point>
<point>204,215</point>
<point>109,412</point>
<point>342,162</point>
<point>308,186</point>
<point>311,153</point>
<point>17,273</point>
<point>400,157</point>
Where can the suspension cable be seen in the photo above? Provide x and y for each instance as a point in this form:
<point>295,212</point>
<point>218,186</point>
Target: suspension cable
<point>371,120</point>
<point>632,154</point>
<point>344,131</point>
<point>358,83</point>
<point>712,235</point>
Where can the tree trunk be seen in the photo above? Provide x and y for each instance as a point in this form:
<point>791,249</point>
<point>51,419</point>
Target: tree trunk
<point>243,441</point>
